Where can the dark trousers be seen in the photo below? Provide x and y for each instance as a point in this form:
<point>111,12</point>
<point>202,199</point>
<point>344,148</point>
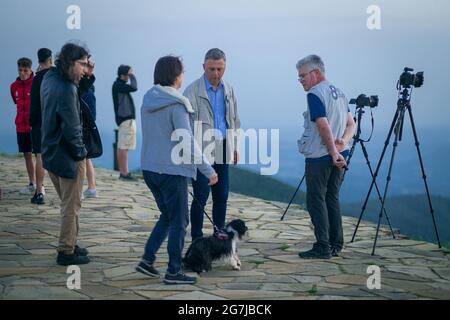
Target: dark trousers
<point>219,196</point>
<point>323,182</point>
<point>170,194</point>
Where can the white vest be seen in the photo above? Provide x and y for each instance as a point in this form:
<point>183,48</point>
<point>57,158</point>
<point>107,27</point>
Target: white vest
<point>336,107</point>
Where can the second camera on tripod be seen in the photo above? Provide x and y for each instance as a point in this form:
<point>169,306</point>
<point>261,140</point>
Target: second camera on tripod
<point>363,101</point>
<point>408,79</point>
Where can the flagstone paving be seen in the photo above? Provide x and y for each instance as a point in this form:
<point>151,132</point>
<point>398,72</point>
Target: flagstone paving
<point>115,226</point>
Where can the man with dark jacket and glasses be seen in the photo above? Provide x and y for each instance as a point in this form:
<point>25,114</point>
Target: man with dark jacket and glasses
<point>63,148</point>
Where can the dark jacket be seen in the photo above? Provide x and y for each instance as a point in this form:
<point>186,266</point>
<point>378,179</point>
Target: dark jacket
<point>91,135</point>
<point>62,133</point>
<point>35,99</point>
<point>123,102</point>
<point>91,101</point>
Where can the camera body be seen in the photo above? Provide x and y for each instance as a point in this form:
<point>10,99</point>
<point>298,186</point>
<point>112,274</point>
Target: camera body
<point>407,78</point>
<point>363,101</point>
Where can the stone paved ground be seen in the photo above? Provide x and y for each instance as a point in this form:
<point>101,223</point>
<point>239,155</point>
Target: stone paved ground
<point>116,225</point>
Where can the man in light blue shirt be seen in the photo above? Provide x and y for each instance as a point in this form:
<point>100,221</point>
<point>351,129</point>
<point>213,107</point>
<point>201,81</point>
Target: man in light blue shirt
<point>216,98</point>
<point>215,107</point>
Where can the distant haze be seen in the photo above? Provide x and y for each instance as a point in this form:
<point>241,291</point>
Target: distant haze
<point>262,39</point>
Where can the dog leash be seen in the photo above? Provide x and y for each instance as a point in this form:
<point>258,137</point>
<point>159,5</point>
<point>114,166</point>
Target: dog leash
<point>218,233</point>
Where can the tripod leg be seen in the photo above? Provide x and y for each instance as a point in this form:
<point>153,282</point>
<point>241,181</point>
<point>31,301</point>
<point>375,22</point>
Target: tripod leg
<point>388,179</point>
<point>350,154</point>
<point>424,177</point>
<point>292,199</point>
<point>359,112</point>
<point>386,143</point>
<point>366,155</point>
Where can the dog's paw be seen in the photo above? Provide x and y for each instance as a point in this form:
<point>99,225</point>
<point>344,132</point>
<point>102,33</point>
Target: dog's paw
<point>237,268</point>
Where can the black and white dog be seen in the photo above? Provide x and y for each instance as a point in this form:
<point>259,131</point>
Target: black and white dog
<point>203,251</point>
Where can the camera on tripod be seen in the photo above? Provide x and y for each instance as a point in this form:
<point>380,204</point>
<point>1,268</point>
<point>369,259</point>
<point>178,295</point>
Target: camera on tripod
<point>404,86</point>
<point>363,101</point>
<point>407,78</point>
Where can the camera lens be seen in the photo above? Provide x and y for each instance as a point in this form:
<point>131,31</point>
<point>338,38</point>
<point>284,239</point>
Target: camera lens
<point>418,79</point>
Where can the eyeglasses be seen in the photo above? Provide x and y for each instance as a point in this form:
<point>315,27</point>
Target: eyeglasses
<point>302,77</point>
<point>85,65</point>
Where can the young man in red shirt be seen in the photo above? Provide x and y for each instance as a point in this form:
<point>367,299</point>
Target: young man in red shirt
<point>20,93</point>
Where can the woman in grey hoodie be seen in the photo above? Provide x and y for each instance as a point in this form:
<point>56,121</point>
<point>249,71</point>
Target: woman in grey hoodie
<point>165,121</point>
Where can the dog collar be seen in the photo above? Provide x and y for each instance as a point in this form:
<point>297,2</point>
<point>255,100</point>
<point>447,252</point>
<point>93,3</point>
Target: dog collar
<point>220,234</point>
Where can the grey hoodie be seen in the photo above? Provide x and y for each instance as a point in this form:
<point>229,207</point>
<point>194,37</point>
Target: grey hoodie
<point>164,110</point>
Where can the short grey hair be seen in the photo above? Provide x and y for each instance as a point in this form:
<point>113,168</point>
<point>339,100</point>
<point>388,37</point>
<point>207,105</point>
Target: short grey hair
<point>313,62</point>
<point>215,54</point>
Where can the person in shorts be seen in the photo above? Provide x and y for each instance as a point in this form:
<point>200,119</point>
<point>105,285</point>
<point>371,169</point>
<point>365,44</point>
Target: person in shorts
<point>125,115</point>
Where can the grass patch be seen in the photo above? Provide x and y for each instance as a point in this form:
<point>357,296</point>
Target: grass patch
<point>417,238</point>
<point>11,155</point>
<point>253,184</point>
<point>313,290</point>
<point>284,247</point>
<point>125,206</point>
<point>137,174</point>
<point>257,262</point>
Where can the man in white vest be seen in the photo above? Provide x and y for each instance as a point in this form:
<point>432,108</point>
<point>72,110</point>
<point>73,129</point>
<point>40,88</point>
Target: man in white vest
<point>329,126</point>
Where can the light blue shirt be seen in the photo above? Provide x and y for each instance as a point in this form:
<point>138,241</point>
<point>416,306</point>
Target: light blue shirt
<point>217,100</point>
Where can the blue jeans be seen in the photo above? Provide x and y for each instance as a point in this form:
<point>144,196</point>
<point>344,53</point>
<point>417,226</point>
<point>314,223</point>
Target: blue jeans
<point>219,195</point>
<point>170,194</point>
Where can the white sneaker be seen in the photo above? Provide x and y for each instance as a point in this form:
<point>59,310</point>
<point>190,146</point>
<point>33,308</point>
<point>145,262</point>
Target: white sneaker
<point>30,189</point>
<point>90,193</point>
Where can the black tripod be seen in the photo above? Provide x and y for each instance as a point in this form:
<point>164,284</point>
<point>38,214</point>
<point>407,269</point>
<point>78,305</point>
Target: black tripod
<point>403,105</point>
<point>292,199</point>
<point>357,139</point>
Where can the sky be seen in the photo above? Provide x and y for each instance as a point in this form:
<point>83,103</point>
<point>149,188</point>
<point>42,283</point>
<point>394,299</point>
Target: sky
<point>263,40</point>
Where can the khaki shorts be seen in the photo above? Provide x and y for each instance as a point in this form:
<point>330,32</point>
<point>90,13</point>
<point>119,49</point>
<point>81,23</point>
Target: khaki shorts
<point>127,135</point>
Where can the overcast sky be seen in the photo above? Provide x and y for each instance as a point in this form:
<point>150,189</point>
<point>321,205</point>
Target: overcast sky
<point>263,41</point>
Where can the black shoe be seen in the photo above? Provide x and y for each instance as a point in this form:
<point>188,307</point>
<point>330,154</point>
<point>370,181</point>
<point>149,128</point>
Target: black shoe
<point>128,177</point>
<point>40,199</point>
<point>314,254</point>
<point>147,269</point>
<point>33,200</point>
<point>70,259</point>
<point>80,251</point>
<point>179,278</point>
<point>335,252</point>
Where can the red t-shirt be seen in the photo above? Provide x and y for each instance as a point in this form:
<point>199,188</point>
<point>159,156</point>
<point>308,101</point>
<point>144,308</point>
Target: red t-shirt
<point>20,93</point>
